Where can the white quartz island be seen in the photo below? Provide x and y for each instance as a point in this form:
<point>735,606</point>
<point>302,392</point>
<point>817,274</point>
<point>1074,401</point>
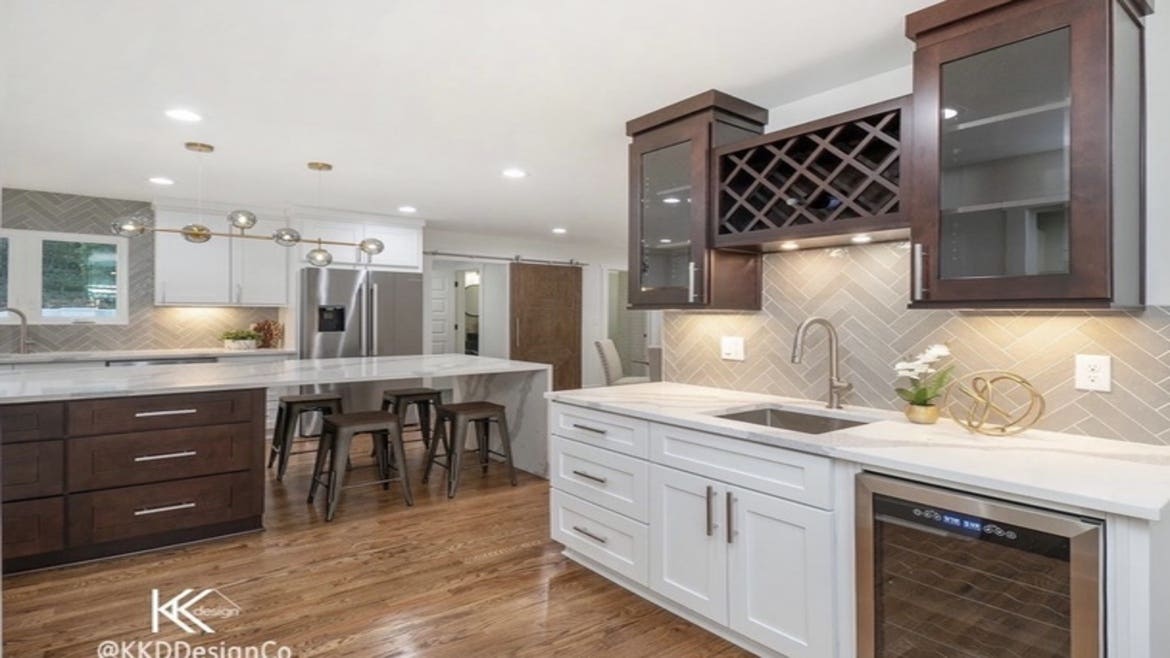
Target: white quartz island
<point>518,385</point>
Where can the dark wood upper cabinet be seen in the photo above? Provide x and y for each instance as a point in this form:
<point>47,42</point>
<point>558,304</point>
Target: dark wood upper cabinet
<point>814,185</point>
<point>672,260</point>
<point>1026,167</point>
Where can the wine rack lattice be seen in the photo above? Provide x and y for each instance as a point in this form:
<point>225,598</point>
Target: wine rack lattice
<point>827,179</point>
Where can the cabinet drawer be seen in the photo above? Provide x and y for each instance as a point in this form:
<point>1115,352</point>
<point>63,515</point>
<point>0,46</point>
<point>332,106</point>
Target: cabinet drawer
<point>785,473</point>
<point>158,412</point>
<point>114,514</point>
<point>101,462</point>
<point>601,535</point>
<point>615,482</point>
<point>32,527</point>
<point>32,470</point>
<point>32,422</point>
<point>618,433</point>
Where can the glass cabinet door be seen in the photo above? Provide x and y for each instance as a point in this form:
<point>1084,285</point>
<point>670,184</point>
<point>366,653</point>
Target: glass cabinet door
<point>665,215</point>
<point>1004,161</point>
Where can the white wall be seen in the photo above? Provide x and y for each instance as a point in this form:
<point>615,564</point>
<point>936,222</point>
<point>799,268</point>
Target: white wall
<point>597,256</point>
<point>900,82</point>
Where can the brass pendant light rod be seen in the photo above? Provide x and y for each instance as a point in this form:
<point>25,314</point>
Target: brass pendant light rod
<point>242,234</point>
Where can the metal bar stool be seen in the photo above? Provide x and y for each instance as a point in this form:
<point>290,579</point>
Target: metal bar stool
<point>337,434</point>
<point>459,416</point>
<point>399,400</point>
<point>287,415</point>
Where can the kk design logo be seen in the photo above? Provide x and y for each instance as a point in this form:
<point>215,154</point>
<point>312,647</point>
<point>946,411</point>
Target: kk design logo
<point>190,608</point>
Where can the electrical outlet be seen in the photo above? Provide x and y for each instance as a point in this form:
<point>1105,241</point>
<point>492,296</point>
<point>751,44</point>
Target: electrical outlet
<point>1094,373</point>
<point>731,348</point>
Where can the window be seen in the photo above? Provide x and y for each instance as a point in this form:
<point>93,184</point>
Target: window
<point>64,278</point>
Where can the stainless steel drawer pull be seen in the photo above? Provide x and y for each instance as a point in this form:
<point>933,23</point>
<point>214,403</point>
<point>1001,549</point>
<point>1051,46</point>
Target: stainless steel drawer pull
<point>169,455</point>
<point>730,516</point>
<point>596,538</point>
<point>710,514</point>
<point>168,412</point>
<point>165,508</point>
<point>588,429</point>
<point>587,476</point>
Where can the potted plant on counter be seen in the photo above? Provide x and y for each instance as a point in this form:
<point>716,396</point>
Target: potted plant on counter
<point>927,382</point>
<point>239,339</point>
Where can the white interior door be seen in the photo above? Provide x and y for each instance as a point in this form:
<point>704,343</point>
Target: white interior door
<point>781,576</point>
<point>442,336</point>
<point>688,550</point>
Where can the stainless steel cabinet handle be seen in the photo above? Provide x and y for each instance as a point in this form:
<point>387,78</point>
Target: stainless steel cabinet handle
<point>588,429</point>
<point>691,281</point>
<point>587,476</point>
<point>168,412</point>
<point>169,455</point>
<point>710,513</point>
<point>730,512</point>
<point>596,538</point>
<point>374,319</point>
<point>919,285</point>
<point>516,332</point>
<point>165,508</point>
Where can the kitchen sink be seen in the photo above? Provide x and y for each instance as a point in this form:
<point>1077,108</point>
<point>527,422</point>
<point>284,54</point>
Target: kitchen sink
<point>795,421</point>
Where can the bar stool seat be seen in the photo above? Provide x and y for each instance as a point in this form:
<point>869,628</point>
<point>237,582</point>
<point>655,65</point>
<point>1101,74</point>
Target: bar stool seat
<point>459,415</point>
<point>336,438</point>
<point>288,412</point>
<point>399,400</point>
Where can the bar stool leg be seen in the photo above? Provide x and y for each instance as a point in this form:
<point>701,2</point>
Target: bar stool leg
<point>433,449</point>
<point>400,457</point>
<point>277,435</point>
<point>424,420</point>
<point>506,444</point>
<point>458,445</point>
<point>341,444</point>
<point>481,436</point>
<point>381,458</point>
<point>319,464</point>
<point>287,436</point>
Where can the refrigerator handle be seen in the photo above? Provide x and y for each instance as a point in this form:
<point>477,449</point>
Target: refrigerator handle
<point>374,320</point>
<point>364,319</point>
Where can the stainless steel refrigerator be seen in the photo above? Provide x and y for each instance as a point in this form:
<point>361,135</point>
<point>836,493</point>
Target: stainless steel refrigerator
<point>354,313</point>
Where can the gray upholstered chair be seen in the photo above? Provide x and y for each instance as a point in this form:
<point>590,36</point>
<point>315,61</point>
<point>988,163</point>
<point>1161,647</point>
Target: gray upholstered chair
<point>611,365</point>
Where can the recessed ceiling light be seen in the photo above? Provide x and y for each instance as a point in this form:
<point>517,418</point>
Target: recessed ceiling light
<point>560,231</point>
<point>514,172</point>
<point>180,114</point>
<point>861,239</point>
<point>950,113</point>
<point>672,200</point>
<point>665,240</point>
<point>789,246</point>
<point>161,180</point>
<point>407,209</point>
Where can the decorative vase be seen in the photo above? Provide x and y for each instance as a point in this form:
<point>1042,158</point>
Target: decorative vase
<point>239,345</point>
<point>923,414</point>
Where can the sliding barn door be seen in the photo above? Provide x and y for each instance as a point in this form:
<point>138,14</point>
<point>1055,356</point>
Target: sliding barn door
<point>546,319</point>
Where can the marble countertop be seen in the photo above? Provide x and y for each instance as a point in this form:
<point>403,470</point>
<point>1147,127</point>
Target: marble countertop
<point>1102,475</point>
<point>134,355</point>
<point>42,386</point>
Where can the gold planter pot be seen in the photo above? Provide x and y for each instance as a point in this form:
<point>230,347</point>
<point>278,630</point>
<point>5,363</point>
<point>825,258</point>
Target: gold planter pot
<point>922,414</point>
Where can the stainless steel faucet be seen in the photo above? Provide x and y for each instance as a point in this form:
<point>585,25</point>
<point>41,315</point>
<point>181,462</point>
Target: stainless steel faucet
<point>837,387</point>
<point>23,344</point>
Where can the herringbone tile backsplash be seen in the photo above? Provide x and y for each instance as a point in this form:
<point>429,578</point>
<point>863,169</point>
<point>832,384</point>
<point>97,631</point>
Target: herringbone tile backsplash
<point>149,327</point>
<point>863,291</point>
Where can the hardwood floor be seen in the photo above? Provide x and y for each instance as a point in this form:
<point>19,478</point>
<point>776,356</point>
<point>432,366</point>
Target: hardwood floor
<point>474,576</point>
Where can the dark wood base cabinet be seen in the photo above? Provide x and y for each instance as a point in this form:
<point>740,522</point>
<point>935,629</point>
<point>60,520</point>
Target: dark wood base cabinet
<point>98,478</point>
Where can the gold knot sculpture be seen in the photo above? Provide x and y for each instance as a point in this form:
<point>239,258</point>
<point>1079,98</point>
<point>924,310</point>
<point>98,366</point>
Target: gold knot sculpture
<point>995,403</point>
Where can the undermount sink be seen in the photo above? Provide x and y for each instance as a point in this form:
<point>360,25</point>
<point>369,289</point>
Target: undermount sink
<point>795,421</point>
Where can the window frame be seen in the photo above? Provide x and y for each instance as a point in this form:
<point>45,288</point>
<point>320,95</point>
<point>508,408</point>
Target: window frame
<point>25,272</point>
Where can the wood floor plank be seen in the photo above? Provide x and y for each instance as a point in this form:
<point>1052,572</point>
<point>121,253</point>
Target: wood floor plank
<point>473,576</point>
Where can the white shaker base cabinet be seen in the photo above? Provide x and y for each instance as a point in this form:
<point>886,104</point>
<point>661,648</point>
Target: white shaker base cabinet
<point>688,553</point>
<point>780,574</point>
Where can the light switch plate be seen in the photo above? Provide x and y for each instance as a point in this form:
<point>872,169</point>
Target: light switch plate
<point>1094,373</point>
<point>731,348</point>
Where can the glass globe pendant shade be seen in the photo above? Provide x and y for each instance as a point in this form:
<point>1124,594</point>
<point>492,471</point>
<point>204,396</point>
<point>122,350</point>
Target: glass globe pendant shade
<point>372,246</point>
<point>128,227</point>
<point>196,233</point>
<point>319,257</point>
<point>242,219</point>
<point>286,237</point>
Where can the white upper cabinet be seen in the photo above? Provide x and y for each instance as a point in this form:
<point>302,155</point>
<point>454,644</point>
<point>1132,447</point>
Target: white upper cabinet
<point>403,238</point>
<point>260,268</point>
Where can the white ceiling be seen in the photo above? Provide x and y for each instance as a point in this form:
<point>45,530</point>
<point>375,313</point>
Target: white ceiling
<point>418,102</point>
